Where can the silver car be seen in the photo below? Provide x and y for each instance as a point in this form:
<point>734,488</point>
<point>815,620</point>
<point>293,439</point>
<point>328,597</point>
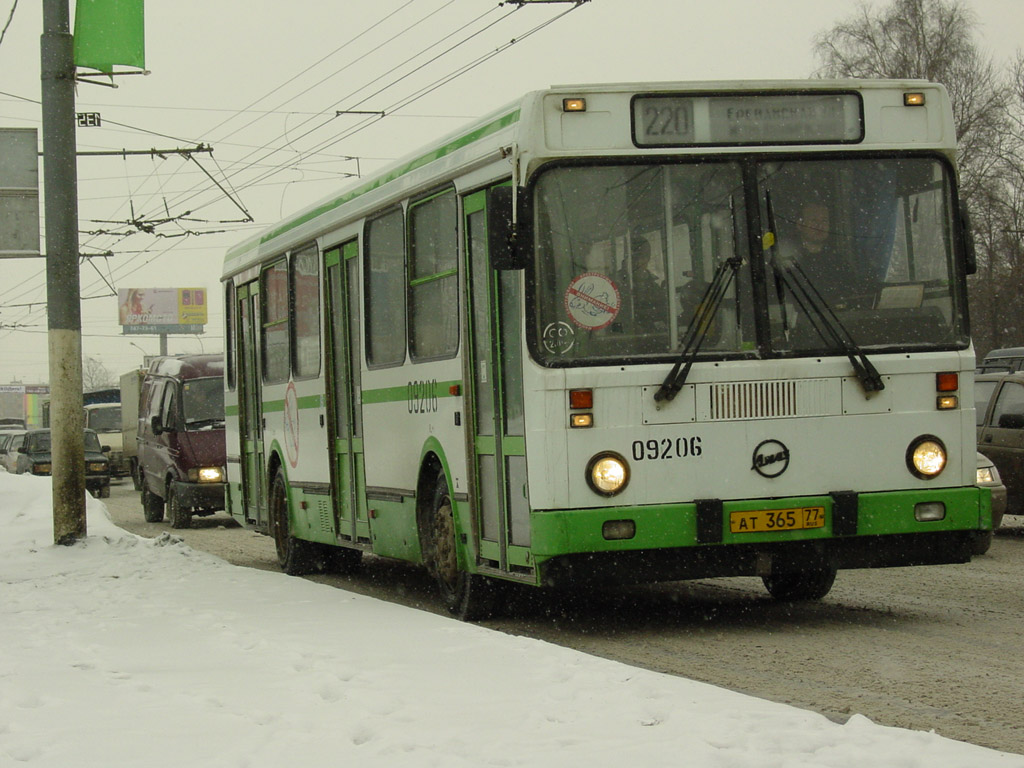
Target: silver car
<point>10,441</point>
<point>988,477</point>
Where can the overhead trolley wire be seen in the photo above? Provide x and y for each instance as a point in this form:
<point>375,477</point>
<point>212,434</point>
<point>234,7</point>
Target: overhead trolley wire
<point>136,262</point>
<point>424,91</point>
<point>403,101</point>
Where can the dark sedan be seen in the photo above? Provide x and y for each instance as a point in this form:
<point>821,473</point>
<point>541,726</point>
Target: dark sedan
<point>34,458</point>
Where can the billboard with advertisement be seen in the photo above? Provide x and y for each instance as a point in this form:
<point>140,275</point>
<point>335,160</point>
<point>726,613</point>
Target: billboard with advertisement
<point>161,310</point>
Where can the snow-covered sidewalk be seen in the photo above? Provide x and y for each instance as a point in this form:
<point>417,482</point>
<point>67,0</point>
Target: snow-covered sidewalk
<point>123,651</point>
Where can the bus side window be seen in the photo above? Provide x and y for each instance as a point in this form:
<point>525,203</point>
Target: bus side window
<point>306,312</point>
<point>384,270</point>
<point>433,278</point>
<point>275,331</point>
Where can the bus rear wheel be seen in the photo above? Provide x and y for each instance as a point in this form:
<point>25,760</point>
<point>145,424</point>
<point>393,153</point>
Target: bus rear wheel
<point>812,584</point>
<point>467,596</point>
<point>295,555</point>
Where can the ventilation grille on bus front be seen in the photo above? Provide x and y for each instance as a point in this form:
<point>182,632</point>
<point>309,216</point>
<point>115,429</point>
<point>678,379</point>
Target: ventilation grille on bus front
<point>766,399</point>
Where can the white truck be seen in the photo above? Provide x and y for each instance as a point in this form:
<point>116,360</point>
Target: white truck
<point>131,390</point>
<point>105,420</point>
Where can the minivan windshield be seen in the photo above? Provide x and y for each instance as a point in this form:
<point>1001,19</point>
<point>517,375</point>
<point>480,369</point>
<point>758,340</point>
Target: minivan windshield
<point>625,254</point>
<point>203,402</point>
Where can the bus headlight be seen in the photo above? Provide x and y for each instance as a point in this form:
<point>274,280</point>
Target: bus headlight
<point>607,473</point>
<point>206,475</point>
<point>926,457</point>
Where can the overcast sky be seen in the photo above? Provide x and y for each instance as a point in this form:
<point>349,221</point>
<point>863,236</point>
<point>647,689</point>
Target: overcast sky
<point>261,85</point>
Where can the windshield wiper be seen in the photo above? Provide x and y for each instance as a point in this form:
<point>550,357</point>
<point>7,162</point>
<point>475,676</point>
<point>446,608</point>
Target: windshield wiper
<point>790,275</point>
<point>698,328</point>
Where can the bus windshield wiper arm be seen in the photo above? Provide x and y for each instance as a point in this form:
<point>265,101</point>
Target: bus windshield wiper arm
<point>822,317</point>
<point>698,329</point>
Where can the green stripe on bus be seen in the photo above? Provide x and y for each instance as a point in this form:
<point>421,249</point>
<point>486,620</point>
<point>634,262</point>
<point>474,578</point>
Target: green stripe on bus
<point>436,154</point>
<point>415,390</point>
<point>304,403</point>
<point>431,278</point>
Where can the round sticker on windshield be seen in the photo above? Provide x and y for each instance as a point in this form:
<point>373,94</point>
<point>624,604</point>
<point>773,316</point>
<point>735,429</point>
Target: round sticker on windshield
<point>592,301</point>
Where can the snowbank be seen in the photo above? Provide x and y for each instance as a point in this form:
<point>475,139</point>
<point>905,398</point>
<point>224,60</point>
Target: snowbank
<point>123,651</point>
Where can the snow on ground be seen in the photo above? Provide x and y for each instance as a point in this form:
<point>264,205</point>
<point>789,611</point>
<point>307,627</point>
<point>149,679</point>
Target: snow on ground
<point>124,651</point>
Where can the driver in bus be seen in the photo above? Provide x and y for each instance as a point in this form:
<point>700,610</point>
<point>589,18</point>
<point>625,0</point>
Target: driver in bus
<point>815,250</point>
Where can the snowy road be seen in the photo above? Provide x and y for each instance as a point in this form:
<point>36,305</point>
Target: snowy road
<point>929,649</point>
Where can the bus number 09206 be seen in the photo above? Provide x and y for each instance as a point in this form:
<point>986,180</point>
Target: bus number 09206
<point>666,448</point>
<point>421,396</point>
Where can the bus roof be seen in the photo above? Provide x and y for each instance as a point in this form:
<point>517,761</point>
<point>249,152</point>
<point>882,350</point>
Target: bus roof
<point>504,125</point>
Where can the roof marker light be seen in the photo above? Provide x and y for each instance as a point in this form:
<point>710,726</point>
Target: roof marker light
<point>574,105</point>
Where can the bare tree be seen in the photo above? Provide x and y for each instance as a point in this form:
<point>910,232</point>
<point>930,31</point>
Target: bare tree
<point>95,375</point>
<point>934,40</point>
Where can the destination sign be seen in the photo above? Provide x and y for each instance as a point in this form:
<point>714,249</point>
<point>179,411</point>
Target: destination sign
<point>796,118</point>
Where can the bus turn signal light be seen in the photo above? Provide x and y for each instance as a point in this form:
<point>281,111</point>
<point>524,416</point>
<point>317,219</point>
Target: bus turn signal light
<point>913,99</point>
<point>947,382</point>
<point>574,105</point>
<point>581,398</point>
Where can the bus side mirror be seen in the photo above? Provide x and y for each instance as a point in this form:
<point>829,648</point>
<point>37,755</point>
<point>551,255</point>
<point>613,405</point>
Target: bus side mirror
<point>156,425</point>
<point>505,240</point>
<point>970,251</point>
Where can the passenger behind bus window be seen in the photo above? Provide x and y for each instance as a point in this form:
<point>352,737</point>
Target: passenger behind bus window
<point>646,293</point>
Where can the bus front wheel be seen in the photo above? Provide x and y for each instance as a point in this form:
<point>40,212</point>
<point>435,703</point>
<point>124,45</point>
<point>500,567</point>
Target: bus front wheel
<point>294,555</point>
<point>467,596</point>
<point>812,584</point>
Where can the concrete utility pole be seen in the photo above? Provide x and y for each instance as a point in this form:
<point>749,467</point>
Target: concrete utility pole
<point>64,313</point>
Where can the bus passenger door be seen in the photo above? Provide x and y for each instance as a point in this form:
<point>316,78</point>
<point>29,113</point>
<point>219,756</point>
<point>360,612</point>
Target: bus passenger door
<point>344,388</point>
<point>250,415</point>
<point>498,430</point>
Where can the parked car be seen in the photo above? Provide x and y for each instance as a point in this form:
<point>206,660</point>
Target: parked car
<point>33,457</point>
<point>1005,360</point>
<point>988,477</point>
<point>181,444</point>
<point>999,404</point>
<point>9,449</point>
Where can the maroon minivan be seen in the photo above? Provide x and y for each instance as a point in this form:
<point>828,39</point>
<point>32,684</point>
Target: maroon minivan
<point>182,453</point>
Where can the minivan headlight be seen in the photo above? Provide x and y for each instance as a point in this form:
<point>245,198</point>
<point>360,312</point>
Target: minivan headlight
<point>206,475</point>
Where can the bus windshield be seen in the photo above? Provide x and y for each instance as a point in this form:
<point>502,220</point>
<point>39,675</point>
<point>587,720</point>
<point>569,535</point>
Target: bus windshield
<point>625,254</point>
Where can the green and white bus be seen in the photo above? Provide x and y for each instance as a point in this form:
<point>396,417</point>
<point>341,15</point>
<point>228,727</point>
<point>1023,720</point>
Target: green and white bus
<point>618,334</point>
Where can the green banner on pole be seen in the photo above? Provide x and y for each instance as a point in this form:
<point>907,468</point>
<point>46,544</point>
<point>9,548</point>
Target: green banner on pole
<point>109,32</point>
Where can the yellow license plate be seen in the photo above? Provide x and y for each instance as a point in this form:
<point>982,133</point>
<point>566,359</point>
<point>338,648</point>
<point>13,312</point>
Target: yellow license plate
<point>762,520</point>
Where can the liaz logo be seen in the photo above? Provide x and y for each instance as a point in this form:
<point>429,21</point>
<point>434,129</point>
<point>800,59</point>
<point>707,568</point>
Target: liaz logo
<point>771,458</point>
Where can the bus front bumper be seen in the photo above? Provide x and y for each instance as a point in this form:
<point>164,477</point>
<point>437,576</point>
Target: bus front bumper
<point>700,540</point>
